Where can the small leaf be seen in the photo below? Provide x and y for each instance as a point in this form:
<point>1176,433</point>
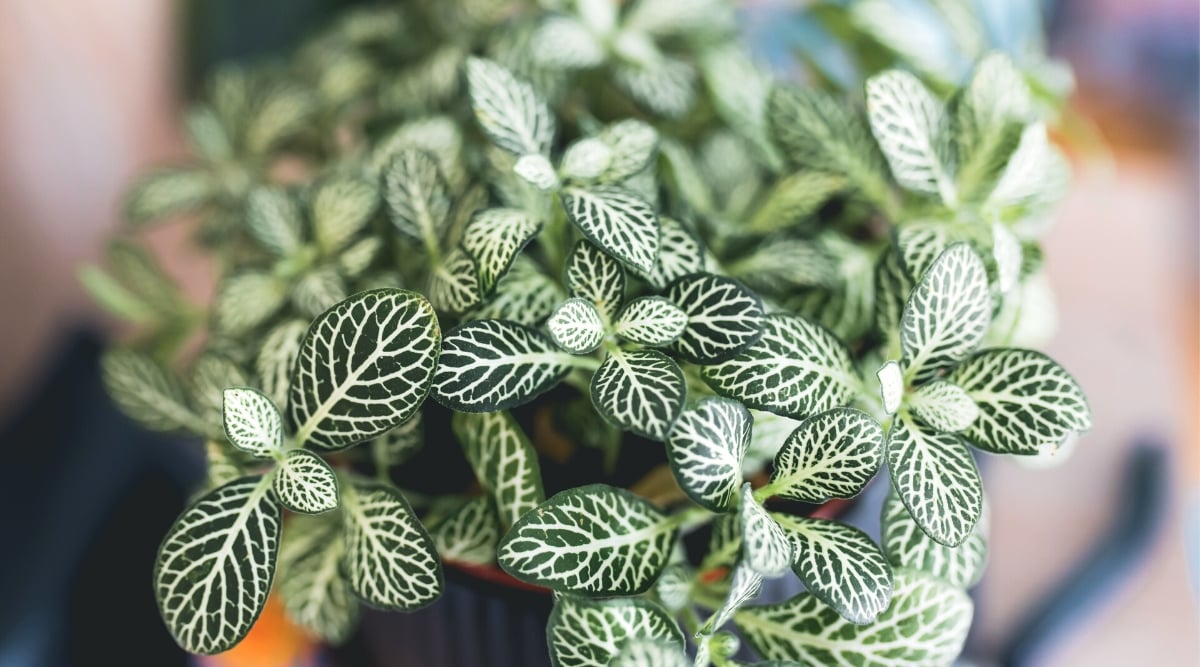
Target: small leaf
<point>536,170</point>
<point>911,127</point>
<point>616,220</point>
<point>948,314</point>
<point>590,633</point>
<point>318,291</point>
<point>417,199</point>
<point>306,484</point>
<point>494,238</point>
<point>906,545</point>
<point>833,454</point>
<point>935,476</point>
<point>633,146</point>
<point>470,535</point>
<point>943,406</point>
<point>765,547</point>
<point>315,595</point>
<point>276,358</point>
<point>840,565</point>
<point>252,422</point>
<point>454,283</point>
<point>593,275</point>
<point>1037,176</point>
<point>594,539</point>
<point>680,254</point>
<point>169,191</point>
<point>279,113</point>
<point>355,260</point>
<point>663,85</point>
<point>576,326</point>
<point>724,318</point>
<point>744,586</point>
<point>891,386</point>
<point>495,365</point>
<point>341,207</point>
<point>586,159</point>
<point>508,109</point>
<point>148,393</point>
<point>390,559</point>
<point>641,391</point>
<point>706,446</point>
<point>274,219</point>
<point>247,300</point>
<point>650,320</point>
<point>210,375</point>
<point>562,42</point>
<point>504,461</point>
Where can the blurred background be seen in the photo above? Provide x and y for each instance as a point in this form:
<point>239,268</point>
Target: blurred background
<point>92,91</point>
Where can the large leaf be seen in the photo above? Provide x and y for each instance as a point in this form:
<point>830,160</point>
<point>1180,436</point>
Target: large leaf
<point>706,446</point>
<point>252,422</point>
<point>314,593</point>
<point>723,317</point>
<point>216,564</point>
<point>146,392</point>
<point>508,109</point>
<point>911,127</point>
<point>935,476</point>
<point>926,624</point>
<point>1026,401</point>
<point>906,545</point>
<point>364,366</point>
<point>840,565</point>
<point>948,314</point>
<point>576,326</point>
<point>495,364</point>
<point>593,275</point>
<point>494,238</point>
<point>943,406</point>
<point>416,196</point>
<point>503,459</point>
<point>830,455</point>
<point>305,484</point>
<point>795,369</point>
<point>590,633</point>
<point>650,320</point>
<point>593,539</point>
<point>765,547</point>
<point>616,220</point>
<point>390,559</point>
<point>641,391</point>
<point>471,534</point>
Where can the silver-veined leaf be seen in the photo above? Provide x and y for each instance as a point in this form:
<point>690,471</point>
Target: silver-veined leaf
<point>274,219</point>
<point>508,109</point>
<point>315,594</point>
<point>650,653</point>
<point>765,547</point>
<point>148,393</point>
<point>1037,176</point>
<point>470,534</point>
<point>494,238</point>
<point>593,275</point>
<point>640,391</point>
<point>891,386</point>
<point>795,369</point>
<point>279,112</point>
<point>697,19</point>
<point>169,191</point>
<point>840,565</point>
<point>223,466</point>
<point>663,85</point>
<point>833,454</point>
<point>585,160</point>
<point>706,446</point>
<point>944,406</point>
<point>247,300</point>
<point>495,364</point>
<point>935,476</point>
<point>921,243</point>
<point>650,320</point>
<point>390,561</point>
<point>633,145</point>
<point>744,586</point>
<point>674,587</point>
<point>576,326</point>
<point>739,88</point>
<point>215,567</point>
<point>277,357</point>
<point>724,317</point>
<point>454,283</point>
<point>503,459</point>
<point>416,195</point>
<point>1007,253</point>
<point>794,199</point>
<point>356,259</point>
<point>561,42</point>
<point>989,120</point>
<point>252,422</point>
<point>911,127</point>
<point>594,539</point>
<point>768,435</point>
<point>1025,400</point>
<point>341,207</point>
<point>536,170</point>
<point>618,221</point>
<point>948,314</point>
<point>590,633</point>
<point>305,484</point>
<point>365,366</point>
<point>318,290</point>
<point>906,545</point>
<point>210,375</point>
<point>680,254</point>
<point>524,295</point>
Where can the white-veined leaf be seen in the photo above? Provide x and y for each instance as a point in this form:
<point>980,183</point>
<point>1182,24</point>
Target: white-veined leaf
<point>561,42</point>
<point>356,259</point>
<point>650,320</point>
<point>633,146</point>
<point>935,476</point>
<point>891,386</point>
<point>169,191</point>
<point>794,199</point>
<point>1007,253</point>
<point>454,283</point>
<point>680,254</point>
<point>390,561</point>
<point>913,132</point>
<point>785,265</point>
<point>1037,175</point>
<point>508,109</point>
<point>524,295</point>
<point>906,545</point>
<point>943,406</point>
<point>590,633</point>
<point>840,565</point>
<point>1025,401</point>
<point>491,365</point>
<point>341,207</point>
<point>576,326</point>
<point>989,120</point>
<point>663,85</point>
<point>833,454</point>
<point>221,463</point>
<point>892,288</point>
<point>921,243</point>
<point>706,446</point>
<point>739,88</point>
<point>494,238</point>
<point>318,290</point>
<point>948,314</point>
<point>926,624</point>
<point>470,534</point>
<point>618,221</point>
<point>744,586</point>
<point>594,539</point>
<point>650,653</point>
<point>278,112</point>
<point>640,391</point>
<point>593,275</point>
<point>536,170</point>
<point>365,366</point>
<point>416,195</point>
<point>247,300</point>
<point>215,566</point>
<point>674,588</point>
<point>765,547</point>
<point>724,318</point>
<point>585,160</point>
<point>277,357</point>
<point>795,369</point>
<point>275,220</point>
<point>146,392</point>
<point>504,461</point>
<point>210,375</point>
<point>314,593</point>
<point>252,422</point>
<point>305,484</point>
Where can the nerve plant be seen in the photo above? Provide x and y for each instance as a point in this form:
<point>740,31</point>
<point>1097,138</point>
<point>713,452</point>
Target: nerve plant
<point>610,211</point>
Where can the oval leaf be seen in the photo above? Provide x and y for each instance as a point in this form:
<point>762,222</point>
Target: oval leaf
<point>252,422</point>
<point>641,391</point>
<point>576,326</point>
<point>840,565</point>
<point>590,633</point>
<point>706,446</point>
<point>912,130</point>
<point>503,459</point>
<point>679,254</point>
<point>390,559</point>
<point>744,586</point>
<point>494,365</point>
<point>306,484</point>
<point>943,406</point>
<point>906,545</point>
<point>724,317</point>
<point>935,476</point>
<point>650,320</point>
<point>593,275</point>
<point>948,314</point>
<point>830,455</point>
<point>508,109</point>
<point>314,593</point>
<point>765,547</point>
<point>416,194</point>
<point>470,534</point>
<point>494,238</point>
<point>616,220</point>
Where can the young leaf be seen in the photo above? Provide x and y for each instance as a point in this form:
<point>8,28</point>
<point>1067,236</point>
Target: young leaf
<point>680,254</point>
<point>585,160</point>
<point>252,422</point>
<point>795,369</point>
<point>841,566</point>
<point>495,365</point>
<point>169,191</point>
<point>416,196</point>
<point>947,315</point>
<point>744,586</point>
<point>147,393</point>
<point>926,624</point>
<point>935,476</point>
<point>1036,176</point>
<point>593,275</point>
<point>215,567</point>
<point>944,406</point>
<point>706,446</point>
<point>650,653</point>
<point>765,547</point>
<point>390,559</point>
<point>454,283</point>
<point>508,109</point>
<point>663,85</point>
<point>470,534</point>
<point>989,120</point>
<point>576,326</point>
<point>318,290</point>
<point>277,357</point>
<point>650,320</point>
<point>910,125</point>
<point>640,391</point>
<point>494,238</point>
<point>833,454</point>
<point>247,300</point>
<point>365,366</point>
<point>1025,400</point>
<point>314,593</point>
<point>562,42</point>
<point>341,207</point>
<point>590,633</point>
<point>724,318</point>
<point>1006,252</point>
<point>593,539</point>
<point>536,170</point>
<point>795,198</point>
<point>891,386</point>
<point>616,220</point>
<point>274,219</point>
<point>906,545</point>
<point>504,461</point>
<point>633,146</point>
<point>306,484</point>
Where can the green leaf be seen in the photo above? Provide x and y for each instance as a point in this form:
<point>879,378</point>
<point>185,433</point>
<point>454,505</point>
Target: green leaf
<point>795,369</point>
<point>146,392</point>
<point>989,120</point>
<point>280,112</point>
<point>944,406</point>
<point>561,42</point>
<point>674,588</point>
<point>593,275</point>
<point>935,476</point>
<point>169,191</point>
<point>504,461</point>
<point>341,208</point>
<point>494,238</point>
<point>650,320</point>
<point>215,566</point>
<point>252,422</point>
<point>590,633</point>
<point>680,254</point>
<point>767,437</point>
<point>314,593</point>
<point>892,288</point>
<point>841,566</point>
<point>926,624</point>
<point>1037,176</point>
<point>206,135</point>
<point>782,266</point>
<point>794,199</point>
<point>739,88</point>
<point>114,297</point>
<point>705,447</point>
<point>618,221</point>
<point>585,160</point>
<point>911,127</point>
<point>536,170</point>
<point>274,220</point>
<point>765,547</point>
<point>365,366</point>
<point>650,653</point>
<point>416,195</point>
<point>576,326</point>
<point>891,386</point>
<point>594,539</point>
<point>640,391</point>
<point>495,365</point>
<point>247,300</point>
<point>921,243</point>
<point>906,545</point>
<point>390,559</point>
<point>724,317</point>
<point>744,586</point>
<point>1026,401</point>
<point>139,270</point>
<point>948,314</point>
<point>305,484</point>
<point>471,534</point>
<point>833,454</point>
<point>276,358</point>
<point>663,85</point>
<point>692,18</point>
<point>318,291</point>
<point>508,109</point>
<point>633,146</point>
<point>454,283</point>
<point>222,464</point>
<point>355,260</point>
<point>524,295</point>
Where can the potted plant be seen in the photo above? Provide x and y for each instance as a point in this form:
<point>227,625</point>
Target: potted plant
<point>465,245</point>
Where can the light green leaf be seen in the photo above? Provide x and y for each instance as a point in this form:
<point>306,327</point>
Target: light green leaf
<point>783,266</point>
<point>906,545</point>
<point>275,220</point>
<point>493,365</point>
<point>364,366</point>
<point>948,314</point>
<point>891,386</point>
<point>650,320</point>
<point>633,146</point>
<point>276,358</point>
<point>944,406</point>
<point>140,271</point>
<point>221,463</point>
<point>724,318</point>
<point>593,275</point>
<point>471,534</point>
<point>989,120</point>
<point>640,391</point>
<point>892,288</point>
<point>252,422</point>
<point>390,559</point>
<point>616,220</point>
<point>833,454</point>
<point>318,291</point>
<point>744,586</point>
<point>921,243</point>
<point>206,135</point>
<point>767,437</point>
<point>494,238</point>
<point>210,375</point>
<point>935,476</point>
<point>504,461</point>
<point>305,484</point>
<point>247,300</point>
<point>146,392</point>
<point>911,127</point>
<point>691,18</point>
<point>418,202</point>
<point>355,260</point>
<point>576,326</point>
<point>650,653</point>
<point>674,588</point>
<point>314,593</point>
<point>590,633</point>
<point>1025,399</point>
<point>169,191</point>
<point>680,254</point>
<point>561,42</point>
<point>739,88</point>
<point>593,539</point>
<point>454,283</point>
<point>1037,176</point>
<point>585,160</point>
<point>536,170</point>
<point>841,566</point>
<point>341,208</point>
<point>765,547</point>
<point>114,297</point>
<point>663,85</point>
<point>794,199</point>
<point>705,447</point>
<point>524,295</point>
<point>508,109</point>
<point>215,567</point>
<point>280,111</point>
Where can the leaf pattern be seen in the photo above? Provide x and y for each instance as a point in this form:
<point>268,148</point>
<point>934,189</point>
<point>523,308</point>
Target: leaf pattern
<point>830,455</point>
<point>705,447</point>
<point>640,391</point>
<point>948,314</point>
<point>616,220</point>
<point>576,326</point>
<point>935,476</point>
<point>503,459</point>
<point>841,566</point>
<point>495,365</point>
<point>723,317</point>
<point>591,633</point>
<point>305,484</point>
